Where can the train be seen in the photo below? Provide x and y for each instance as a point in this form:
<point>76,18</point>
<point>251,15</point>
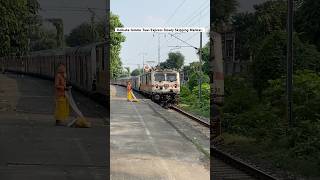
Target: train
<point>161,85</point>
<point>86,66</point>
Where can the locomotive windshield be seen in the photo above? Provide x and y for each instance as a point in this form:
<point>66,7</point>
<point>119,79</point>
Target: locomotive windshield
<point>171,77</point>
<point>159,77</point>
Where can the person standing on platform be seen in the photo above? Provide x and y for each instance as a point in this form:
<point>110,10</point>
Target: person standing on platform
<point>130,96</point>
<point>129,89</point>
<point>62,106</point>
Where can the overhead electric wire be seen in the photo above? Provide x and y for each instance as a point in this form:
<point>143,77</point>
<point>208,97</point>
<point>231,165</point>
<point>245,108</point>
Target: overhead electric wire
<point>188,24</point>
<point>189,38</point>
<point>205,6</point>
<point>190,19</point>
<point>196,16</point>
<point>184,41</point>
<point>175,11</point>
<point>206,12</point>
<point>195,13</point>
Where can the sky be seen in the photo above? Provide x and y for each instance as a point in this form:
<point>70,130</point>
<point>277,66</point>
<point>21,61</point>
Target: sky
<point>74,12</point>
<point>142,13</point>
<point>164,13</point>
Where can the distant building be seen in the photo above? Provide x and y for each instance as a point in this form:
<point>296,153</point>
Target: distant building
<point>231,54</point>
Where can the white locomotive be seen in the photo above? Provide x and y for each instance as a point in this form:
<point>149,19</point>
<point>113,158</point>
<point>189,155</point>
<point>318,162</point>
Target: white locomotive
<point>162,86</point>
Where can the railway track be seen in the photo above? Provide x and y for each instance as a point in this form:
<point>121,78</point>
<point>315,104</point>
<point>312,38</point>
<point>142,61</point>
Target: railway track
<point>226,166</point>
<point>191,116</point>
<point>242,170</point>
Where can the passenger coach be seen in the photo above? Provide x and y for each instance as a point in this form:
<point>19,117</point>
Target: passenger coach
<point>86,67</point>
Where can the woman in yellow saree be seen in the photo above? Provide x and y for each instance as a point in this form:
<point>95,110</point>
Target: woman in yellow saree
<point>62,109</point>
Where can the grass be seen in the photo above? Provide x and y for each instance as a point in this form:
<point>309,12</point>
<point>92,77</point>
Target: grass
<point>195,110</point>
<point>273,157</point>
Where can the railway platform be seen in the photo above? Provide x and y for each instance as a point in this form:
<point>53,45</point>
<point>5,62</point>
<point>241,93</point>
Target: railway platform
<point>150,142</point>
<point>32,147</point>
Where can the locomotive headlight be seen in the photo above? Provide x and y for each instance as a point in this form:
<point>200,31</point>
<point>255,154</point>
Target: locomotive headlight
<point>156,97</point>
<point>175,86</point>
<point>157,86</point>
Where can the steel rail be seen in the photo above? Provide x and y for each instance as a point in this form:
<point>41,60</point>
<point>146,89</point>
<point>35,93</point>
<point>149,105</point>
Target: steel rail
<point>252,171</point>
<point>197,119</point>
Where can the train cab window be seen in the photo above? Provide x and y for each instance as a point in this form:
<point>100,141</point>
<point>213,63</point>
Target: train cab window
<point>171,77</point>
<point>159,77</point>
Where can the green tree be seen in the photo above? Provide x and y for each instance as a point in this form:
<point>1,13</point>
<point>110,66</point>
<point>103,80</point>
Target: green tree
<point>83,34</point>
<point>221,12</point>
<point>194,79</point>
<point>127,72</point>
<point>17,18</point>
<point>43,39</point>
<point>271,16</point>
<point>80,35</point>
<point>307,21</point>
<point>240,96</point>
<point>115,42</point>
<point>244,26</point>
<point>191,68</point>
<point>252,28</point>
<point>206,65</point>
<point>270,61</point>
<point>136,72</point>
<point>175,61</point>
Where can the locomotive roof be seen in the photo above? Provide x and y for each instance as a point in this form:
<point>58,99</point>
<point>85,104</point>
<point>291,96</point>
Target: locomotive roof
<point>165,70</point>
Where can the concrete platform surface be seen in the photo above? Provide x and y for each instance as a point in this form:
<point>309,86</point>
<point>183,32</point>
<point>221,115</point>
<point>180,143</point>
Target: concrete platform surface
<point>145,146</point>
<point>32,147</point>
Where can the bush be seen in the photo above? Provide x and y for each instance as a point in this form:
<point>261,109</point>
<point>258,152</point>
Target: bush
<point>270,61</point>
<point>266,121</point>
<point>240,96</point>
<point>194,80</point>
<point>191,99</point>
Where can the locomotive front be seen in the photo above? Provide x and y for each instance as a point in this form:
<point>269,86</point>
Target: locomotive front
<point>166,87</point>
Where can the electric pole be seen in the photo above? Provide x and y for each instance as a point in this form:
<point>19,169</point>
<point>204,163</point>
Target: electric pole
<point>200,69</point>
<point>289,61</point>
<point>143,53</point>
<point>158,49</point>
<point>93,31</point>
